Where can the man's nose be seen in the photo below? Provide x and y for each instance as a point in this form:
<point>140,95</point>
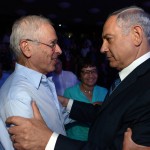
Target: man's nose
<point>104,48</point>
<point>58,49</point>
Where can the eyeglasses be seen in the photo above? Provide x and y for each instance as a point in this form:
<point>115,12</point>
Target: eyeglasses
<point>51,45</point>
<point>88,72</point>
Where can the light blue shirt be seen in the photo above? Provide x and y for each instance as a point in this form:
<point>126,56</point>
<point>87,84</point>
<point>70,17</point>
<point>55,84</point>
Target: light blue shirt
<point>5,142</point>
<point>25,85</point>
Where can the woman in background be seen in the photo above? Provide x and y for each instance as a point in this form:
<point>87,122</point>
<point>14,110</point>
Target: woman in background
<point>86,91</point>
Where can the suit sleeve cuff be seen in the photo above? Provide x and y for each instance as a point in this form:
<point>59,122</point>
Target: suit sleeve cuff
<point>69,106</point>
<point>52,141</point>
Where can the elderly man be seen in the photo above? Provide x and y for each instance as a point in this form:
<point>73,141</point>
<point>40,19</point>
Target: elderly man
<point>126,43</point>
<point>34,43</point>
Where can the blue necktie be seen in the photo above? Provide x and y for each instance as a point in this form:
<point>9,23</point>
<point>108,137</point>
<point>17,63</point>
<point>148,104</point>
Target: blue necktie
<point>114,84</point>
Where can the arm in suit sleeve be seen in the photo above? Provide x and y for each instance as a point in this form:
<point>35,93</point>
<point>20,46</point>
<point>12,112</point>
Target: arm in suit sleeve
<point>70,144</point>
<point>84,112</point>
<point>61,142</point>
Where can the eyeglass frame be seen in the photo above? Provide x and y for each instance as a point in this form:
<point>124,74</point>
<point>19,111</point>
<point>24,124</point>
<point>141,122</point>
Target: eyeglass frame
<point>51,46</point>
<point>88,72</point>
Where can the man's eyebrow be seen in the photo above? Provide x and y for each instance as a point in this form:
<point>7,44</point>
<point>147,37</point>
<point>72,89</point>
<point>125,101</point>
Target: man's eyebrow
<point>53,40</point>
<point>106,35</point>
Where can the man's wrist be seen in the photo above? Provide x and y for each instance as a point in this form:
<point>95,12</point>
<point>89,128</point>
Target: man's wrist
<point>69,105</point>
<point>52,141</point>
<point>66,101</point>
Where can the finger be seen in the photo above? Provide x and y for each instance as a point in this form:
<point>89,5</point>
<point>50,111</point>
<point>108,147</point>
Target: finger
<point>17,146</point>
<point>129,130</point>
<point>36,113</point>
<point>13,138</point>
<point>59,98</point>
<point>14,130</point>
<point>15,120</point>
<point>63,100</point>
<point>129,133</point>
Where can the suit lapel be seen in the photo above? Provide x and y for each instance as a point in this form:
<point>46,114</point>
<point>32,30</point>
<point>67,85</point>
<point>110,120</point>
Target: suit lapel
<point>128,81</point>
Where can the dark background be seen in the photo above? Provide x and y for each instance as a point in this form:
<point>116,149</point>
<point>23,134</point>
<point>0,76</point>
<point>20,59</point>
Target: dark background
<point>74,15</point>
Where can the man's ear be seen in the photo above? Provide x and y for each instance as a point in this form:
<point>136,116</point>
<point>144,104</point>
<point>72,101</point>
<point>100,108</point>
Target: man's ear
<point>137,35</point>
<point>25,48</point>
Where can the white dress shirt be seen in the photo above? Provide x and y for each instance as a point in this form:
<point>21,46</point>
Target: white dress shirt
<point>126,71</point>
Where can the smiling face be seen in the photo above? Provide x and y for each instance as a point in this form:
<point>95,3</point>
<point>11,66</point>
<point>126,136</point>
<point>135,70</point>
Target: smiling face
<point>39,56</point>
<point>89,76</point>
<point>118,47</point>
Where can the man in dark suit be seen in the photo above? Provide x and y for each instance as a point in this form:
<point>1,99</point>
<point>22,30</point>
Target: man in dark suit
<point>126,43</point>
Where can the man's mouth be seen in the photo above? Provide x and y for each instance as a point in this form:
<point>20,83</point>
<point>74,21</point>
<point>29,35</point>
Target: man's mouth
<point>54,58</point>
<point>109,57</point>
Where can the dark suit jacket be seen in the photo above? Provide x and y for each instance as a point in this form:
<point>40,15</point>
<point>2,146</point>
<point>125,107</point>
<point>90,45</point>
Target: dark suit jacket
<point>128,106</point>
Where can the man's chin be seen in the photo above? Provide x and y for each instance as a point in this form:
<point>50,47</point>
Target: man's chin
<point>112,65</point>
<point>52,69</point>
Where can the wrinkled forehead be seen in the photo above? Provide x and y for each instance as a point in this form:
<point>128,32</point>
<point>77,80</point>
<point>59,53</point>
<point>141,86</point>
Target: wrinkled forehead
<point>47,31</point>
<point>46,27</point>
<point>110,20</point>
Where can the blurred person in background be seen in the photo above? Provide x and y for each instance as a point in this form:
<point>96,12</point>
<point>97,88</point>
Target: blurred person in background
<point>62,78</point>
<point>85,91</point>
<point>86,47</point>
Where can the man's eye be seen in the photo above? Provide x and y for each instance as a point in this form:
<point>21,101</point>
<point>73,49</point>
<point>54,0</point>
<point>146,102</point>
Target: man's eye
<point>108,39</point>
<point>53,43</point>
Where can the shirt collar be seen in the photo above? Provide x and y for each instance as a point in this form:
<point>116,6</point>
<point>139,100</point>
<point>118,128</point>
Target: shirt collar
<point>31,75</point>
<point>126,71</point>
